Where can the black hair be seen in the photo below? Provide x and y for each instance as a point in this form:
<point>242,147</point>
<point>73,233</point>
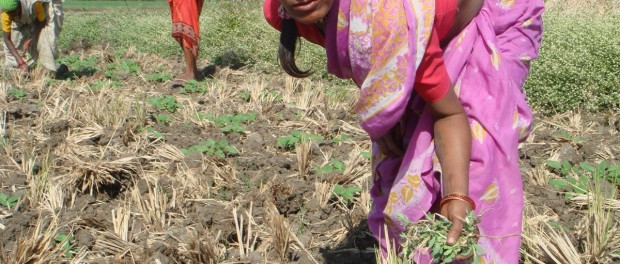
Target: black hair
<point>286,52</point>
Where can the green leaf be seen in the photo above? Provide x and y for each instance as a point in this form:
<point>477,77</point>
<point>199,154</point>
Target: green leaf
<point>554,164</point>
<point>366,154</point>
<point>559,183</point>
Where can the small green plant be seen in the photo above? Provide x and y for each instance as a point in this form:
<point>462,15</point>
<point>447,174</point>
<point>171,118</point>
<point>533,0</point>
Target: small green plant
<point>576,177</point>
<point>432,233</point>
<point>346,194</point>
<point>163,119</point>
<point>333,165</point>
<point>245,96</point>
<point>567,136</point>
<point>155,133</point>
<point>159,77</point>
<point>213,148</point>
<point>8,201</point>
<point>366,154</point>
<point>67,244</point>
<point>19,94</point>
<point>193,87</point>
<point>168,103</point>
<point>341,138</point>
<point>230,122</point>
<point>290,141</point>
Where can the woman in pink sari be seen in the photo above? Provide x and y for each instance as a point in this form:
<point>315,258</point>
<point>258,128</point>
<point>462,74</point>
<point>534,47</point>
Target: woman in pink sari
<point>431,143</point>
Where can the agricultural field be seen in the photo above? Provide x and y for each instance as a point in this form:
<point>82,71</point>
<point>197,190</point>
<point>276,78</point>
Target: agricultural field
<point>111,165</point>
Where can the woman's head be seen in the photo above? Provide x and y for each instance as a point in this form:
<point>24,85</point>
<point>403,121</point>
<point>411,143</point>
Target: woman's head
<point>307,11</point>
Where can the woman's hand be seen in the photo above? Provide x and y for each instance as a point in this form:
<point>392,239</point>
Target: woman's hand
<point>391,144</point>
<point>24,68</point>
<point>456,211</point>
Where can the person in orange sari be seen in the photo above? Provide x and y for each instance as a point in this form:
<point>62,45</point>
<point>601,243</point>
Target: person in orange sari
<point>186,30</point>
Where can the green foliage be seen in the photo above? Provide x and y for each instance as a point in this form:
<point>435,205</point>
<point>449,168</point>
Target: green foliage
<point>564,135</point>
<point>155,133</point>
<point>120,69</point>
<point>163,119</point>
<point>67,244</point>
<point>213,148</point>
<point>341,138</point>
<point>159,77</point>
<point>193,86</point>
<point>230,122</point>
<point>333,165</point>
<point>168,103</point>
<point>8,201</point>
<point>19,94</point>
<point>245,95</point>
<point>579,63</point>
<point>366,154</point>
<point>576,178</point>
<point>346,194</point>
<point>289,142</point>
<point>432,233</point>
<point>98,85</point>
<point>87,65</point>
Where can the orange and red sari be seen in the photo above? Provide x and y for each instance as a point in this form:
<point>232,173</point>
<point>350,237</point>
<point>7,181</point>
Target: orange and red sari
<point>185,25</point>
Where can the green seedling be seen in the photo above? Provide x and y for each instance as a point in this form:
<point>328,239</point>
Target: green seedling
<point>341,138</point>
<point>155,133</point>
<point>366,154</point>
<point>333,165</point>
<point>289,142</point>
<point>67,244</point>
<point>432,233</point>
<point>231,122</point>
<point>8,201</point>
<point>245,96</point>
<point>163,119</point>
<point>168,103</point>
<point>346,194</point>
<point>567,136</point>
<point>576,177</point>
<point>19,94</point>
<point>159,77</point>
<point>219,149</point>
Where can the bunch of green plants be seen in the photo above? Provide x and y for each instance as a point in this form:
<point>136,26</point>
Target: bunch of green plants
<point>8,201</point>
<point>194,87</point>
<point>67,244</point>
<point>345,194</point>
<point>230,122</point>
<point>576,177</point>
<point>78,65</point>
<point>159,77</point>
<point>163,119</point>
<point>432,233</point>
<point>118,70</point>
<point>290,141</point>
<point>168,103</point>
<point>333,165</point>
<point>17,93</point>
<point>219,149</point>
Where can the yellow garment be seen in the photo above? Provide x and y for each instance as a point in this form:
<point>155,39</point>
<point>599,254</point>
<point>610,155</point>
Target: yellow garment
<point>7,19</point>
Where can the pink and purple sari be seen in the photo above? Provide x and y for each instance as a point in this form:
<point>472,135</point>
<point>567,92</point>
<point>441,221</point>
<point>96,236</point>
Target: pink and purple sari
<point>379,44</point>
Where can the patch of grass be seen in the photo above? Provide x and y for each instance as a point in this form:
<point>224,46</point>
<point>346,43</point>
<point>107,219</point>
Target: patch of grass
<point>159,77</point>
<point>163,119</point>
<point>193,86</point>
<point>119,70</point>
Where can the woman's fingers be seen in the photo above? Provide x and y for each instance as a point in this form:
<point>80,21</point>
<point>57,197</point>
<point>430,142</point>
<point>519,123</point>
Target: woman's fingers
<point>455,231</point>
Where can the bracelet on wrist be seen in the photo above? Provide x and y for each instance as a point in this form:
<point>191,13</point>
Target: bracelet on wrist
<point>457,196</point>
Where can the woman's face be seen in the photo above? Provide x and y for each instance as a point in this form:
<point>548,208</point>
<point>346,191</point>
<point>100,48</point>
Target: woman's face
<point>307,11</point>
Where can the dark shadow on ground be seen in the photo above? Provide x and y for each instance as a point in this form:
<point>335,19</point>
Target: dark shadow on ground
<point>357,248</point>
